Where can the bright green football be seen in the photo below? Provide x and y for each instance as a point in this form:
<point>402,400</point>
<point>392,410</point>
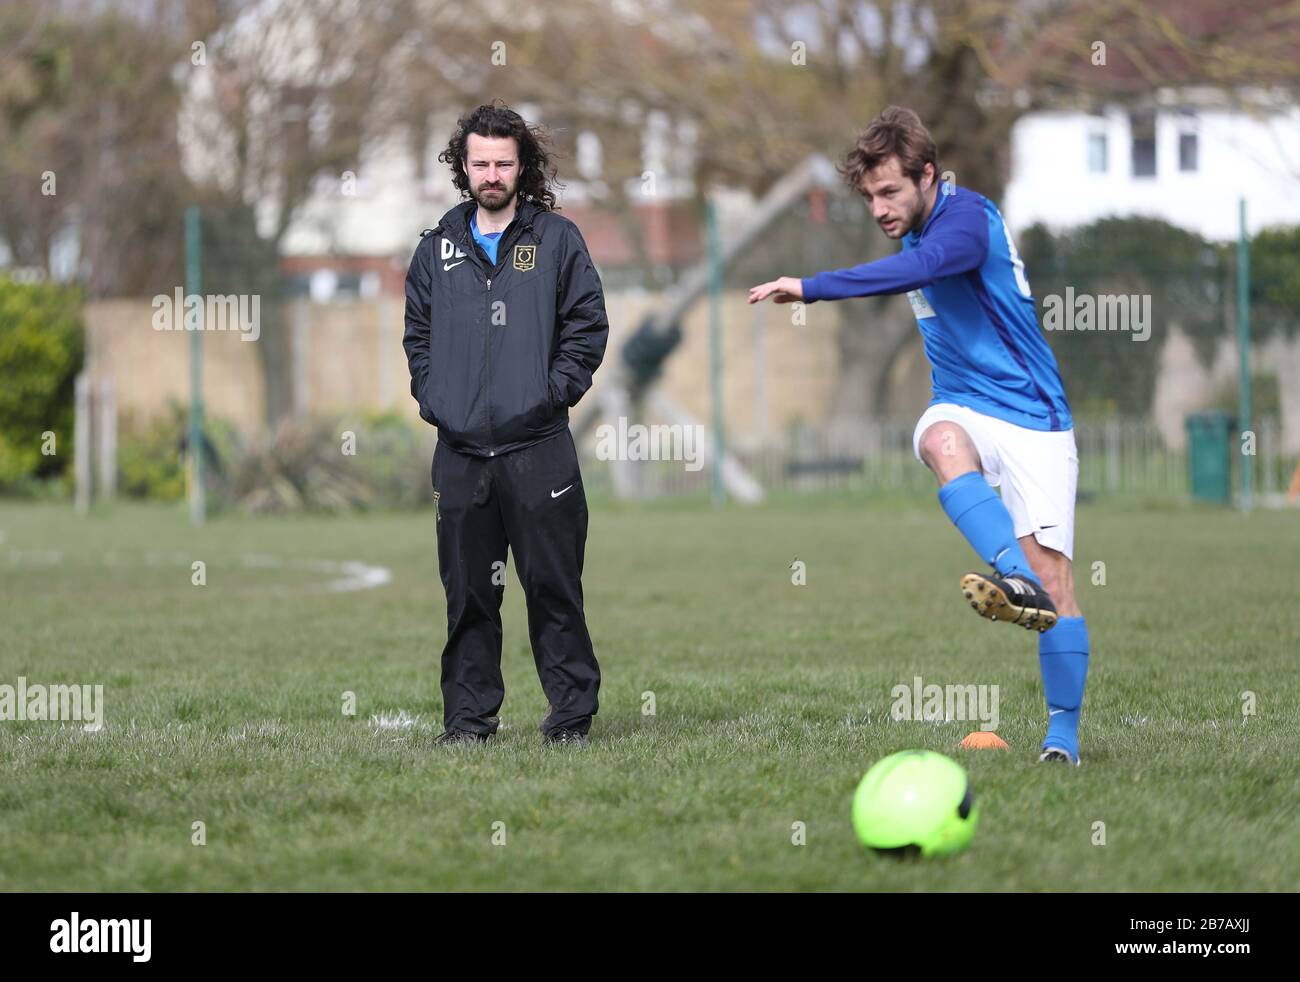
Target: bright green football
<point>916,801</point>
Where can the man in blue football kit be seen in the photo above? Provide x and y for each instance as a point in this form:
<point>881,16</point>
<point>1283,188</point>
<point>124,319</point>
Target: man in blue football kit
<point>998,416</point>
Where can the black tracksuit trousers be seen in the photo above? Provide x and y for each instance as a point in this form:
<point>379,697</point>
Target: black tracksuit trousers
<point>531,502</point>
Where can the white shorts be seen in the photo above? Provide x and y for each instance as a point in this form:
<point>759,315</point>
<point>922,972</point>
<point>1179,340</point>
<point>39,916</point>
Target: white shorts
<point>1037,470</point>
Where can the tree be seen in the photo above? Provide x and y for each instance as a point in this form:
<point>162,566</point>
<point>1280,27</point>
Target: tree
<point>89,161</point>
<point>1188,279</point>
<point>280,98</point>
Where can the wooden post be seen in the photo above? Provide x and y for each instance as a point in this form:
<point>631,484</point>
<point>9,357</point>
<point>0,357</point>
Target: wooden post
<point>81,460</point>
<point>106,439</point>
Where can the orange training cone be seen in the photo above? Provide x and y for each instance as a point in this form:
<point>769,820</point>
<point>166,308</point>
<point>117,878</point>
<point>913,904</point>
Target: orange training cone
<point>983,740</point>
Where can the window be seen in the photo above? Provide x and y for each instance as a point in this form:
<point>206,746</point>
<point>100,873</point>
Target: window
<point>1188,144</point>
<point>1143,126</point>
<point>1097,153</point>
<point>590,156</point>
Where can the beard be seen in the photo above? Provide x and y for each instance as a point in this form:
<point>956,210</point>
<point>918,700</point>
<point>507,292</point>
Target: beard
<point>490,199</point>
<point>914,220</point>
<point>908,222</point>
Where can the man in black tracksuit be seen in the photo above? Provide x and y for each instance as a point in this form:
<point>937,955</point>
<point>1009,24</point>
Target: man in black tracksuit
<point>499,348</point>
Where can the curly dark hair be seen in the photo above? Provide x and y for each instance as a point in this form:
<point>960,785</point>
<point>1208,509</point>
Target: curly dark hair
<point>536,171</point>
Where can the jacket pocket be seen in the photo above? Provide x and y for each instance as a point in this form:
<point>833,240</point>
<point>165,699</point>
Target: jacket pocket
<point>441,370</point>
<point>428,412</point>
<point>556,404</point>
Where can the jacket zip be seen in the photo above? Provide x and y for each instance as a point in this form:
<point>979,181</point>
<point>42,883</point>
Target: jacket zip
<point>487,359</point>
<point>487,326</point>
<point>471,252</point>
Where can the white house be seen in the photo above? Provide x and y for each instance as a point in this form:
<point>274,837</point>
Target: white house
<point>1187,158</point>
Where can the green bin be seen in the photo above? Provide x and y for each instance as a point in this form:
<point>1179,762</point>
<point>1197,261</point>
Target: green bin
<point>1209,454</point>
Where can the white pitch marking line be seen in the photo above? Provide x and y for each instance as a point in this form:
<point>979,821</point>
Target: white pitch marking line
<point>351,574</point>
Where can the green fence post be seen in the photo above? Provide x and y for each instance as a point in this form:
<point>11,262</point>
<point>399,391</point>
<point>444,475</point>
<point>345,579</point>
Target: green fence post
<point>1243,351</point>
<point>715,350</point>
<point>194,287</point>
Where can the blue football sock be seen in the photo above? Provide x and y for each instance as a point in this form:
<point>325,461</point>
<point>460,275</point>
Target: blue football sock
<point>980,515</point>
<point>1063,660</point>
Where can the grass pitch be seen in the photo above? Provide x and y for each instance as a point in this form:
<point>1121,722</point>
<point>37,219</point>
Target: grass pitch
<point>224,705</point>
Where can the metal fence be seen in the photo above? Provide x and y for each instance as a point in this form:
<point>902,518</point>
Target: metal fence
<point>1116,457</point>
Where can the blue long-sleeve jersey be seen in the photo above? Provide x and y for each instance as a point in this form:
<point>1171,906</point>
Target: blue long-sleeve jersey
<point>973,305</point>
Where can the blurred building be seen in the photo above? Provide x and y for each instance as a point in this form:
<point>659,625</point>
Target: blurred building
<point>1183,155</point>
<point>355,236</point>
<point>1146,125</point>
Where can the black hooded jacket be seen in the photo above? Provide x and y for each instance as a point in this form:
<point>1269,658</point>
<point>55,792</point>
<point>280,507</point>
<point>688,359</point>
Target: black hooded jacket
<point>499,354</point>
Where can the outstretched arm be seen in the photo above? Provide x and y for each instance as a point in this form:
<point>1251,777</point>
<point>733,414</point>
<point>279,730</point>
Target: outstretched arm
<point>958,243</point>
